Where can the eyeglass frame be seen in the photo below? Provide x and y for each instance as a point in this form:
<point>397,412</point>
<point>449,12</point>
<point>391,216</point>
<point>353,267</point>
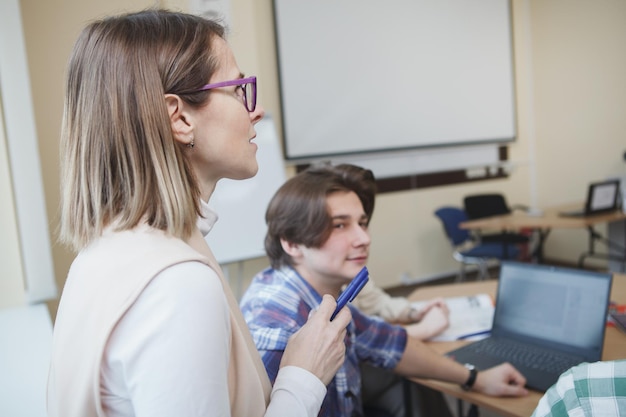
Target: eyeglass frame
<point>237,82</point>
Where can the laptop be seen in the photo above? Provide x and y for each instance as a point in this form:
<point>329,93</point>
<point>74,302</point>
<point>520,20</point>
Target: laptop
<point>602,197</point>
<point>557,314</point>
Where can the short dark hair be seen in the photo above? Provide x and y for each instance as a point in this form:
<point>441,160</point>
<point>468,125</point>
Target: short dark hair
<point>298,211</point>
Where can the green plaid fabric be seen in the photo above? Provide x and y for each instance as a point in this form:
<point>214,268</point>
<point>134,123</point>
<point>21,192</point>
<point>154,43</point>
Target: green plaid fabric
<point>590,389</point>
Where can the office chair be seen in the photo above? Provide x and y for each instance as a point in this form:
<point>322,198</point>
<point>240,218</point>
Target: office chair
<point>478,206</point>
<point>466,249</point>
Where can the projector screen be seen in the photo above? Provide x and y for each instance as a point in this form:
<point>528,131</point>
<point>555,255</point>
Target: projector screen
<point>363,76</point>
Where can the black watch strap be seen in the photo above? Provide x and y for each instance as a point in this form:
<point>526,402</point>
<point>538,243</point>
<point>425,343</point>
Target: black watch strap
<point>472,377</point>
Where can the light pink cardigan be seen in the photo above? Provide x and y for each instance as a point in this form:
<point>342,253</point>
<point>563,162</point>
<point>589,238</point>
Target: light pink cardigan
<point>104,281</point>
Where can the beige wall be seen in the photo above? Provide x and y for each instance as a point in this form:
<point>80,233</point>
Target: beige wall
<point>579,100</point>
<point>571,91</point>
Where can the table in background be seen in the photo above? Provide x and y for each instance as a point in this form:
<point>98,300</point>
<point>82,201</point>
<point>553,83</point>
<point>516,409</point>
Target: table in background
<point>614,347</point>
<point>550,219</point>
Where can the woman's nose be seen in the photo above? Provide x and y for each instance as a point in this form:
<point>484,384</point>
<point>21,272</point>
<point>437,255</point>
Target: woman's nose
<point>257,114</point>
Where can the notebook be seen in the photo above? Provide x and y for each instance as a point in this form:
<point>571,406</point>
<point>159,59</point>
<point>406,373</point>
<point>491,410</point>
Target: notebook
<point>556,313</point>
<point>601,198</point>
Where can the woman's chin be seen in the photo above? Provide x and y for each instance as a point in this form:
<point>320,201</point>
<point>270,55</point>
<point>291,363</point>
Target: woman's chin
<point>246,173</point>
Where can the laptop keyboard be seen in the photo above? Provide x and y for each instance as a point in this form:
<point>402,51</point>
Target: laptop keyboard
<point>522,355</point>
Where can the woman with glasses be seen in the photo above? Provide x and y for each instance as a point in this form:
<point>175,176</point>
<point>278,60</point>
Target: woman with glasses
<point>156,112</point>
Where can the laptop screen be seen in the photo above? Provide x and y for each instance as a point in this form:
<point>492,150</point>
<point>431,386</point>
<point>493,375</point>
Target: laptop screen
<point>560,305</point>
<point>602,196</point>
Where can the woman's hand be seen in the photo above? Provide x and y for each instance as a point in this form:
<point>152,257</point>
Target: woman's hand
<point>319,346</point>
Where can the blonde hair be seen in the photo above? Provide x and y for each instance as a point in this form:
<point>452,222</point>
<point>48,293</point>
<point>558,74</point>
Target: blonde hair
<point>119,160</point>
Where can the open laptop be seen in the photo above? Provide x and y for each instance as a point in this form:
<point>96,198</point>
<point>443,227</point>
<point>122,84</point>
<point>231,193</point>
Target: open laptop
<point>557,313</point>
<point>602,197</point>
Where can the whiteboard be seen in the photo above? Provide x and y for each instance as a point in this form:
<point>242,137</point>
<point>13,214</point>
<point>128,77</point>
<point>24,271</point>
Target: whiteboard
<point>240,204</point>
<point>425,161</point>
<point>359,76</point>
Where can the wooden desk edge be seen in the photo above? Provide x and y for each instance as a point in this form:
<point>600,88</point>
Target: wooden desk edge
<point>503,406</point>
<point>550,219</point>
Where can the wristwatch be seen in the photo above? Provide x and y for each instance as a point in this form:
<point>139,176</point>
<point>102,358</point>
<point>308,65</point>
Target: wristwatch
<point>471,378</point>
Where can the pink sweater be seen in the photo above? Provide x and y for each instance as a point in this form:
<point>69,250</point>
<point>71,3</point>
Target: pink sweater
<point>104,281</point>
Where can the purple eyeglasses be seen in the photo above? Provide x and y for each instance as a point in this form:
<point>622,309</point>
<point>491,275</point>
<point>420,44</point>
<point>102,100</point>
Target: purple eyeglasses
<point>248,87</point>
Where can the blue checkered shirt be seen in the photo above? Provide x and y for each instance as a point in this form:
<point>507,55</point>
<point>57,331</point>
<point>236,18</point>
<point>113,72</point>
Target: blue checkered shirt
<point>278,303</point>
<point>591,389</point>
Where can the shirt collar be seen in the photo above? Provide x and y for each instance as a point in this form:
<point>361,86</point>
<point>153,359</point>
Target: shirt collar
<point>208,219</point>
<point>311,297</point>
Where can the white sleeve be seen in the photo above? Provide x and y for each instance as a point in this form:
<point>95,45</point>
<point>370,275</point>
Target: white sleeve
<point>169,354</point>
<point>296,393</point>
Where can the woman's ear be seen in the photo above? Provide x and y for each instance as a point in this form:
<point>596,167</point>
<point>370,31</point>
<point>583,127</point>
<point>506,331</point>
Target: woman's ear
<point>180,119</point>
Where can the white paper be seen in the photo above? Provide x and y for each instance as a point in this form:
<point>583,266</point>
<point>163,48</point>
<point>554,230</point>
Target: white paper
<point>471,317</point>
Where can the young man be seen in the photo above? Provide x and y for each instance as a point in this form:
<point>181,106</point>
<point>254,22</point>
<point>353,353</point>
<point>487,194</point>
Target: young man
<point>317,241</point>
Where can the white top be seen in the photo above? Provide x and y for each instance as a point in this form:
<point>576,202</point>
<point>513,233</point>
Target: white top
<point>168,356</point>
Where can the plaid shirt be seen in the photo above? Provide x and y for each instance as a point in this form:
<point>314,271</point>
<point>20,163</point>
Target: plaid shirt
<point>278,303</point>
<point>591,389</point>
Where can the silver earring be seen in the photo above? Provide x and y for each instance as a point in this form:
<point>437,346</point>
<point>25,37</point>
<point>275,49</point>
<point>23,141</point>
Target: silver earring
<point>191,143</point>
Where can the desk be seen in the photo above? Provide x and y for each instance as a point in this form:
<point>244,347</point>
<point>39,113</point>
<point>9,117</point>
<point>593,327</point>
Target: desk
<point>614,347</point>
<point>551,219</point>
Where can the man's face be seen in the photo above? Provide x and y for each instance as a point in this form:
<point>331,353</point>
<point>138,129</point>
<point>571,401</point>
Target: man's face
<point>346,251</point>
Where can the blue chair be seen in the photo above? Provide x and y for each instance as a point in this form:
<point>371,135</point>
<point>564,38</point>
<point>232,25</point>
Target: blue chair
<point>478,206</point>
<point>466,249</point>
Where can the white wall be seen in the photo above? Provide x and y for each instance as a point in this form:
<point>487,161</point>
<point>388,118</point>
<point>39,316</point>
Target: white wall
<point>11,275</point>
<point>23,169</point>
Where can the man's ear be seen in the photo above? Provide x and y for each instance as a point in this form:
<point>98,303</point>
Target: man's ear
<point>292,249</point>
<point>180,119</point>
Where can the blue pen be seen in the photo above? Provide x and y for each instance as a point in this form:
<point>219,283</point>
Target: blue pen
<point>351,290</point>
